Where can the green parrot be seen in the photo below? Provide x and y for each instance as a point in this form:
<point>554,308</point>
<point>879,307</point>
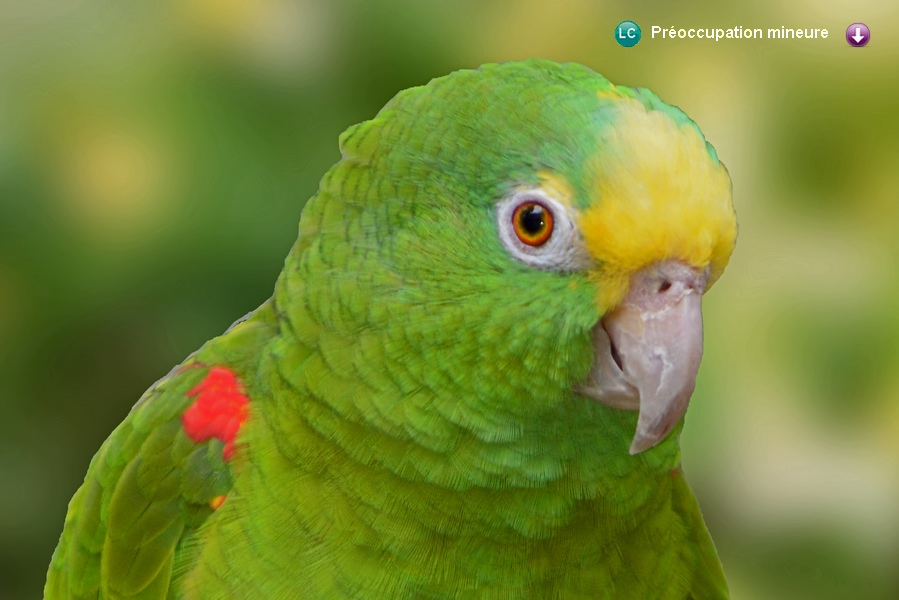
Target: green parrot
<point>470,379</point>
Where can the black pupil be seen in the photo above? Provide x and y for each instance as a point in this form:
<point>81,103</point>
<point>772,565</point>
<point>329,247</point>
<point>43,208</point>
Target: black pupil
<point>532,219</point>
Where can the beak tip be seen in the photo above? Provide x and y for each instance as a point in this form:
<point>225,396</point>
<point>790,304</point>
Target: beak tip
<point>641,443</point>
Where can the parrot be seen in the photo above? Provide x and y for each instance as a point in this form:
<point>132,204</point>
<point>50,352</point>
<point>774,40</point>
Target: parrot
<point>469,382</point>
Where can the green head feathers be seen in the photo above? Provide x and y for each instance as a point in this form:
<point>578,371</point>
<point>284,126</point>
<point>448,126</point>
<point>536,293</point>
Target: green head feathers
<point>470,340</point>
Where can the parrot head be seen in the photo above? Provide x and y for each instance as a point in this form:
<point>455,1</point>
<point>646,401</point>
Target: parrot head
<point>515,244</point>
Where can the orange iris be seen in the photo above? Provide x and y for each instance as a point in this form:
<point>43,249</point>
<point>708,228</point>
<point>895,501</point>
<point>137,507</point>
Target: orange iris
<point>533,223</point>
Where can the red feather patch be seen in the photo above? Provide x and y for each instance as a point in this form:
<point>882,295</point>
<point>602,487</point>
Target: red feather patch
<point>219,410</point>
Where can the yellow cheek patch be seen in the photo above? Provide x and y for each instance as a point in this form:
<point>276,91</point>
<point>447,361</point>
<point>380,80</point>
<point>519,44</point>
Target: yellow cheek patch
<point>660,195</point>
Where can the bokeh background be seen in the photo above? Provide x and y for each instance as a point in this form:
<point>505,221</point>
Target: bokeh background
<point>155,156</point>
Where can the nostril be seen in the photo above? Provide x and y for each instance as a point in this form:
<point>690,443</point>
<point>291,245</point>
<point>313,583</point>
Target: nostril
<point>666,285</point>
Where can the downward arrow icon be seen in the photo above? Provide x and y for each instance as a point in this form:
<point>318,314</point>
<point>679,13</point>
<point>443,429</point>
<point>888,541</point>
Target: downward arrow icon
<point>858,35</point>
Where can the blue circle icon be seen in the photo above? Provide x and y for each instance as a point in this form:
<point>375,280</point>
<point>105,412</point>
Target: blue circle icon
<point>628,34</point>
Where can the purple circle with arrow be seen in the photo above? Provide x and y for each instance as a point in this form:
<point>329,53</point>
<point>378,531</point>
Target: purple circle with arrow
<point>858,35</point>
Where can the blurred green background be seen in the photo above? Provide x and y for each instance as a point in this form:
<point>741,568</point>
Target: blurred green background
<point>155,155</point>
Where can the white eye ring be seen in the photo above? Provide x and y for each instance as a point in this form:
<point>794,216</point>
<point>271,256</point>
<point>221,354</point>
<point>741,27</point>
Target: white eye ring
<point>562,251</point>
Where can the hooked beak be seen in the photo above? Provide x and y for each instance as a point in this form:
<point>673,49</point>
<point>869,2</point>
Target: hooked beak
<point>647,350</point>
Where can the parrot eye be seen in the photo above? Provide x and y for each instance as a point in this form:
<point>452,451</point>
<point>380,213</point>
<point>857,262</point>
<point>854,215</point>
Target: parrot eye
<point>533,223</point>
<point>540,231</point>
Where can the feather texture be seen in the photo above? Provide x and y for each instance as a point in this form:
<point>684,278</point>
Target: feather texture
<point>411,429</point>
